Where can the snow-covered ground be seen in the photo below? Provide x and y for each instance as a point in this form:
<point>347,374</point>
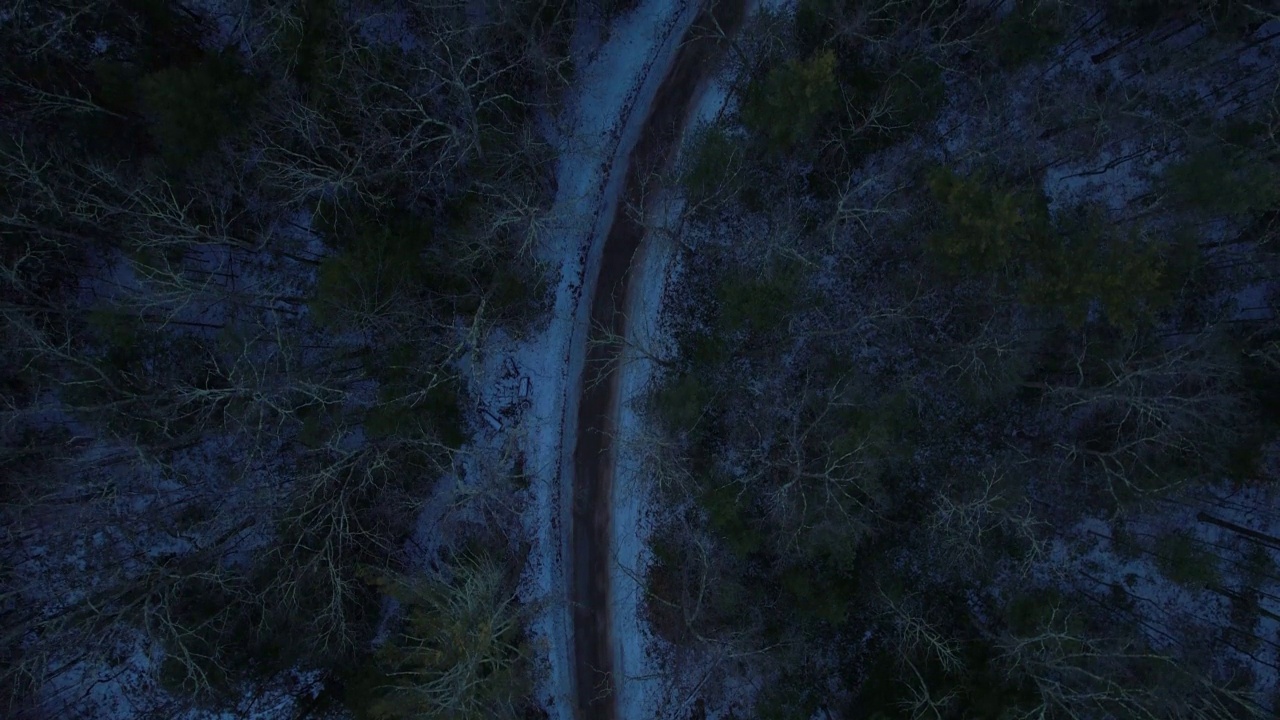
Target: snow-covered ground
<point>645,688</point>
<point>1088,559</point>
<point>640,681</point>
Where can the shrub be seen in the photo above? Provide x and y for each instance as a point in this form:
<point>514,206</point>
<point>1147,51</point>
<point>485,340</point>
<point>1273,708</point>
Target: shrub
<point>759,304</point>
<point>986,227</point>
<point>663,585</point>
<point>789,104</point>
<point>1090,264</point>
<point>1073,264</point>
<point>459,651</point>
<point>916,93</point>
<point>1183,562</point>
<point>369,279</point>
<point>304,43</point>
<point>716,159</point>
<point>1225,179</point>
<point>192,108</point>
<point>681,403</point>
<point>1028,33</point>
<point>727,516</point>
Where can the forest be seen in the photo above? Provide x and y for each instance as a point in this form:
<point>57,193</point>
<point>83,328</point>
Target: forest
<point>245,248</point>
<point>971,408</point>
<point>967,400</point>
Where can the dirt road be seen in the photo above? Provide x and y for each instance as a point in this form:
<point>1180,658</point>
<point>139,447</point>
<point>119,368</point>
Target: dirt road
<point>593,458</point>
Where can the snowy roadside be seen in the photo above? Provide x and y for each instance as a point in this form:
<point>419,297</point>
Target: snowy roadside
<point>644,690</point>
<point>641,685</point>
<point>645,685</point>
<point>535,378</point>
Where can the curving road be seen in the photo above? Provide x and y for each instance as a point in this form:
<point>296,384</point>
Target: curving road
<point>593,454</point>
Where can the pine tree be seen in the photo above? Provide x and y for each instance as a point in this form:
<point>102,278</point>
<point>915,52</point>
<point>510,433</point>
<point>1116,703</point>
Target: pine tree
<point>790,104</point>
<point>985,228</point>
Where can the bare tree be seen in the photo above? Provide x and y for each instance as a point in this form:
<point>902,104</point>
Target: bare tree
<point>974,519</point>
<point>1151,404</point>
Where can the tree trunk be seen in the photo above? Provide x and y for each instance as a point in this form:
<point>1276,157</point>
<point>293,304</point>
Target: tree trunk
<point>1261,538</point>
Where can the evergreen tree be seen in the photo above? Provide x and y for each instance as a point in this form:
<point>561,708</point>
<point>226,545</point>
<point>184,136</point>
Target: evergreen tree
<point>792,100</point>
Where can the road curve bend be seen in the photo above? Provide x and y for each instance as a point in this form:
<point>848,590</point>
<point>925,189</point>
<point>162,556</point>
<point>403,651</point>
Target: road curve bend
<point>593,456</point>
